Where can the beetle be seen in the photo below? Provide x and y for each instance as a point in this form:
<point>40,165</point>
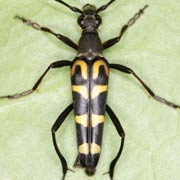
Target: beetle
<point>89,78</point>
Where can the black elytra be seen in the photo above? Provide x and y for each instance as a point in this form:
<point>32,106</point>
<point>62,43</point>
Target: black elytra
<point>89,76</point>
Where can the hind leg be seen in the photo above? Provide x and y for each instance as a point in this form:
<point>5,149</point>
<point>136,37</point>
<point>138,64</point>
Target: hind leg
<point>121,133</point>
<point>54,129</point>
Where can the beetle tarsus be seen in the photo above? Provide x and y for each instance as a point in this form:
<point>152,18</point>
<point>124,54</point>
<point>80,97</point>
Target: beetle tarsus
<point>136,16</point>
<point>18,95</point>
<point>29,22</point>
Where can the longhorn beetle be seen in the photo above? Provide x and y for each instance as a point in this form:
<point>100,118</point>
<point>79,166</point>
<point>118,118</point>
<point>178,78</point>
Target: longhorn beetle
<point>89,78</point>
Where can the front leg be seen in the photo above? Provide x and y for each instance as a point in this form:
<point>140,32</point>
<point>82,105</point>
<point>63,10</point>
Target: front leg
<point>57,64</point>
<point>115,40</point>
<point>36,26</point>
<point>125,69</point>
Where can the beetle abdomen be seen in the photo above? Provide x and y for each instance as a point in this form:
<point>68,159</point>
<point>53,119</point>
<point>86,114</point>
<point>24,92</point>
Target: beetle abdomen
<point>89,88</point>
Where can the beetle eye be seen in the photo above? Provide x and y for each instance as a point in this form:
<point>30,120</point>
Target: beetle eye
<point>98,19</point>
<point>80,20</point>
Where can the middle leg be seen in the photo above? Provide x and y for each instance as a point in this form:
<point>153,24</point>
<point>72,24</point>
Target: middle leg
<point>127,70</point>
<point>56,64</point>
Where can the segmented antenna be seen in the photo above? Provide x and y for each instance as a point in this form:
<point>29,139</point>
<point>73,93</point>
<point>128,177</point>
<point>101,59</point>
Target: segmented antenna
<point>74,9</point>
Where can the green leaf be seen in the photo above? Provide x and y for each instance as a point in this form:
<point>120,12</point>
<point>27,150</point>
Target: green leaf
<point>150,48</point>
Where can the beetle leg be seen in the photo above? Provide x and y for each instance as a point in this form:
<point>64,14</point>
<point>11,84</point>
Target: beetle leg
<point>151,93</point>
<point>56,64</point>
<point>115,40</point>
<point>121,133</point>
<point>38,27</point>
<point>55,127</point>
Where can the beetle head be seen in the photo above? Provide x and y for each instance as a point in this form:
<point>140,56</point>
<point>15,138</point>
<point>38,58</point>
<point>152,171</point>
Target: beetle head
<point>89,18</point>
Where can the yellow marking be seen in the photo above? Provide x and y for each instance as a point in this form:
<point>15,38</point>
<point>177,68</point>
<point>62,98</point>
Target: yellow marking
<point>96,119</point>
<point>95,148</point>
<point>81,90</point>
<point>97,90</point>
<point>83,120</point>
<point>83,67</point>
<point>96,68</point>
<point>84,148</point>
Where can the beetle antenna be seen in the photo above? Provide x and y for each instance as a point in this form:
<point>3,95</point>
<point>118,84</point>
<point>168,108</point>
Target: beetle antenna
<point>74,9</point>
<point>102,8</point>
